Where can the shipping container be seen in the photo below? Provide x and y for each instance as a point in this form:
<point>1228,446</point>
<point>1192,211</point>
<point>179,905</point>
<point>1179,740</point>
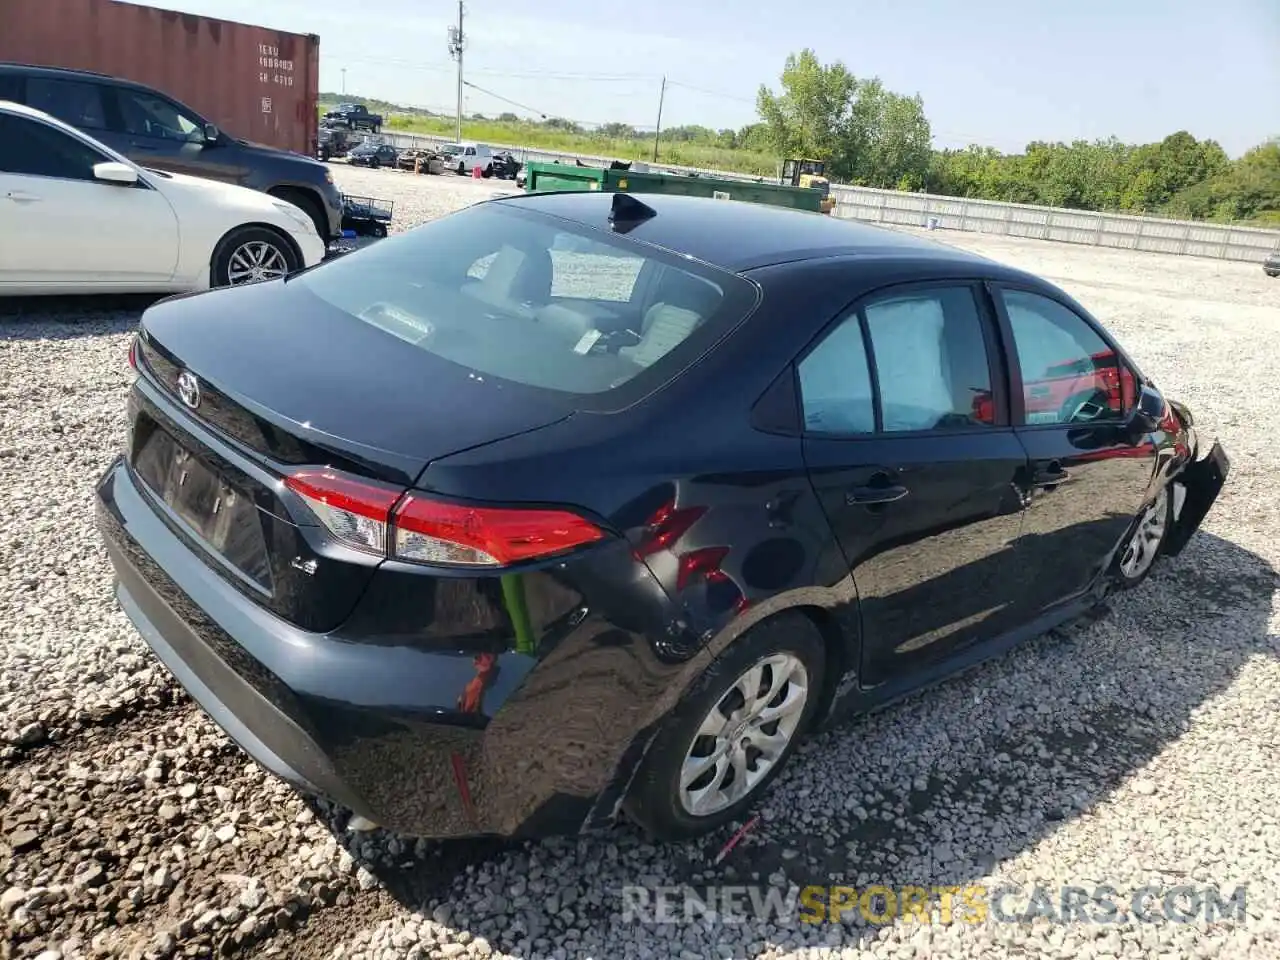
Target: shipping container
<point>255,83</point>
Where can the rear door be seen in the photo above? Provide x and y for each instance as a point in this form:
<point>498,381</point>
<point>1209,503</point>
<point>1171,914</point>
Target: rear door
<point>909,447</point>
<point>1071,390</point>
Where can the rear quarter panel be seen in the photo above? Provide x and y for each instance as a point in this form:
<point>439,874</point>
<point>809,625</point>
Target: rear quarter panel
<point>722,514</point>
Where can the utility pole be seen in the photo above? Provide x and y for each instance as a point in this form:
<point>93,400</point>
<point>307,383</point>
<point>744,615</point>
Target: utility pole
<point>458,40</point>
<point>344,81</point>
<point>657,134</point>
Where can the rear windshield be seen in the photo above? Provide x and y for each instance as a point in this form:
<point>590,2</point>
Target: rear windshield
<point>537,300</point>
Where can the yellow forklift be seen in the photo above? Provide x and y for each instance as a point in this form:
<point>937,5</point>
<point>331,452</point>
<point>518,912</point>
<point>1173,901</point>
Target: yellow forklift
<point>809,173</point>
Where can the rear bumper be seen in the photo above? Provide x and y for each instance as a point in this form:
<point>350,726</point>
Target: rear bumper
<point>378,727</point>
<point>1203,480</point>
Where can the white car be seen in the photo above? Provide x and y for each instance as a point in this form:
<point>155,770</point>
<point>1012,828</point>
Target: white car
<point>77,217</point>
<point>462,158</point>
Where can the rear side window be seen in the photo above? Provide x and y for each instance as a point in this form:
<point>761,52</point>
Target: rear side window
<point>930,362</point>
<point>538,301</point>
<point>36,149</point>
<point>71,101</point>
<point>835,383</point>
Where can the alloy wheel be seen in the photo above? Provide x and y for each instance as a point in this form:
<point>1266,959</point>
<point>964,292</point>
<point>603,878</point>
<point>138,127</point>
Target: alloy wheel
<point>1140,552</point>
<point>744,735</point>
<point>256,261</point>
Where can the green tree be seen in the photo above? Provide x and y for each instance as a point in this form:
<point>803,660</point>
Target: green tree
<point>865,133</point>
<point>1248,189</point>
<point>754,136</point>
<point>618,131</point>
<point>559,123</point>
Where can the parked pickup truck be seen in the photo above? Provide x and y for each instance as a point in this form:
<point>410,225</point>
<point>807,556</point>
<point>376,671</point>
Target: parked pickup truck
<point>354,116</point>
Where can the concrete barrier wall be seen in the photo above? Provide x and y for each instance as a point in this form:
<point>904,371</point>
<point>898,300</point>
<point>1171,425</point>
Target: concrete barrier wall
<point>1152,234</point>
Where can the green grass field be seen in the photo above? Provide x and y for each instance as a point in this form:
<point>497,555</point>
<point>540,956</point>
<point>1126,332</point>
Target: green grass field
<point>531,135</point>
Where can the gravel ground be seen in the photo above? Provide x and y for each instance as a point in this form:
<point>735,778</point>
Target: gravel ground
<point>1135,750</point>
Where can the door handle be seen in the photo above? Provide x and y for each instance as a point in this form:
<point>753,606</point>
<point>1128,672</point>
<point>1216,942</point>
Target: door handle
<point>1050,476</point>
<point>142,146</point>
<point>21,196</point>
<point>875,494</point>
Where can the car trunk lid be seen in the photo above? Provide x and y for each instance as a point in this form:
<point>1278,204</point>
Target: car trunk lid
<point>259,381</point>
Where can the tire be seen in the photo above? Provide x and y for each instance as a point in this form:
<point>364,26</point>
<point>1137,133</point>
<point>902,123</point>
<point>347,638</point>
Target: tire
<point>246,246</point>
<point>487,173</point>
<point>657,801</point>
<point>311,206</point>
<point>462,168</point>
<point>1144,541</point>
<point>375,163</point>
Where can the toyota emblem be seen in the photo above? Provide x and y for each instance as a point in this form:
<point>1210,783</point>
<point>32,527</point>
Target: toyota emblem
<point>189,389</point>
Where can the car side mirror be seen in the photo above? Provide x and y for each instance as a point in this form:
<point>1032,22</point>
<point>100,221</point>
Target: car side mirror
<point>1147,413</point>
<point>113,172</point>
<point>211,133</point>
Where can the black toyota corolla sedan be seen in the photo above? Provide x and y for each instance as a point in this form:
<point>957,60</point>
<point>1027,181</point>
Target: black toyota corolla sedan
<point>567,505</point>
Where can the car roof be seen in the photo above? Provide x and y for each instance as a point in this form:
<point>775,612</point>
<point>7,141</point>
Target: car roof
<point>740,236</point>
<point>33,69</point>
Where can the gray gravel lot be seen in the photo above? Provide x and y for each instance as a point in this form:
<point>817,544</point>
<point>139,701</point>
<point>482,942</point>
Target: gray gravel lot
<point>1136,750</point>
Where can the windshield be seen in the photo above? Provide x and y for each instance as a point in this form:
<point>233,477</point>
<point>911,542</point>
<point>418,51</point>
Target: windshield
<point>537,301</point>
<point>450,148</point>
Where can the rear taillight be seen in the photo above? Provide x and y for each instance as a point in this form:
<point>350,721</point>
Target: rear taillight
<point>352,510</point>
<point>428,531</point>
<point>388,522</point>
<point>133,353</point>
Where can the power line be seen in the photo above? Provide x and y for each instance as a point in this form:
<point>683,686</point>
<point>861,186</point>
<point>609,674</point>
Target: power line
<point>710,93</point>
<point>498,96</point>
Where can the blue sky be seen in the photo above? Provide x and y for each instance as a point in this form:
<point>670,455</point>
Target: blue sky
<point>995,72</point>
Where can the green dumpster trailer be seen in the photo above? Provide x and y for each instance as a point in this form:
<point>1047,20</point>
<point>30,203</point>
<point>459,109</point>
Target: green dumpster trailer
<point>547,177</point>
